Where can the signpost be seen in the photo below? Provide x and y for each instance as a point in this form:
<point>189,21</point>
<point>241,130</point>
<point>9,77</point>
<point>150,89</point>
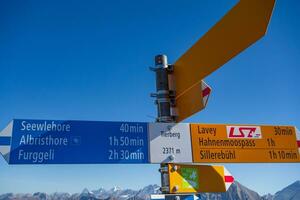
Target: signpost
<point>244,143</point>
<point>170,142</point>
<point>79,142</point>
<point>198,178</point>
<point>180,92</point>
<point>243,25</point>
<point>221,143</point>
<point>192,101</point>
<point>180,89</point>
<point>74,142</point>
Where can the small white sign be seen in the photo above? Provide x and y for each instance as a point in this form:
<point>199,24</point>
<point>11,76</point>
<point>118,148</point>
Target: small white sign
<point>170,142</point>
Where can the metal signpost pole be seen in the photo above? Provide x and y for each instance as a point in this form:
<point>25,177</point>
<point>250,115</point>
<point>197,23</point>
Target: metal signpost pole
<point>164,97</point>
<point>164,102</point>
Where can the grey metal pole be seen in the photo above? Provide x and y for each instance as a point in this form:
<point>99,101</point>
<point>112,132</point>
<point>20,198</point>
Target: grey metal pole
<point>163,101</point>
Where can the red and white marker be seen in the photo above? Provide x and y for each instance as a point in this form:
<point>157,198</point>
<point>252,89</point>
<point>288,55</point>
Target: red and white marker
<point>298,138</point>
<point>228,178</point>
<point>206,90</point>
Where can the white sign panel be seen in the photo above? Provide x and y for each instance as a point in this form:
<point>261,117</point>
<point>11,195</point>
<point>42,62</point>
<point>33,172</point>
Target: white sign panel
<point>170,142</point>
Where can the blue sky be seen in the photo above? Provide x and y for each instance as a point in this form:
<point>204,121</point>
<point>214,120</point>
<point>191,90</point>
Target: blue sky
<point>89,61</point>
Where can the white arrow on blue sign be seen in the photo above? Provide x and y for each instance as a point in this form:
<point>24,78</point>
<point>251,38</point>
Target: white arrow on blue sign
<point>74,142</point>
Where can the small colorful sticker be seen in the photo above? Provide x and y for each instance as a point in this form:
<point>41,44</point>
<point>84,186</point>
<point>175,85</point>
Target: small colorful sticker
<point>190,178</point>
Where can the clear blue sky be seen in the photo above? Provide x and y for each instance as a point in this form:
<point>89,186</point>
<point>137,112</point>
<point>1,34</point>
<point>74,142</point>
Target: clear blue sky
<point>88,60</point>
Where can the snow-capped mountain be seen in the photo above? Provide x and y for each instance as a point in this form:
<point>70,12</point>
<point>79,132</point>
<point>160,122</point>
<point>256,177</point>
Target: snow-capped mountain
<point>291,192</point>
<point>101,193</point>
<point>236,192</point>
<point>144,193</point>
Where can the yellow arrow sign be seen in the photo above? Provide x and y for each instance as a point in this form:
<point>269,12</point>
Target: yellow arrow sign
<point>192,101</point>
<point>244,24</point>
<point>244,143</point>
<point>198,178</point>
<point>223,143</point>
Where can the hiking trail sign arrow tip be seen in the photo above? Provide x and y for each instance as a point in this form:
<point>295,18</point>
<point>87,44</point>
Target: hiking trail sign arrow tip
<point>243,25</point>
<point>5,141</point>
<point>192,101</point>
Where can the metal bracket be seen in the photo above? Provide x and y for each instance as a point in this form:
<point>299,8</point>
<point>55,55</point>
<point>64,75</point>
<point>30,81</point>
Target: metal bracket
<point>170,68</point>
<point>165,98</point>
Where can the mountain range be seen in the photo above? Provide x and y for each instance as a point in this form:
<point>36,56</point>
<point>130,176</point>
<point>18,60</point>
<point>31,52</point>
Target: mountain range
<point>236,192</point>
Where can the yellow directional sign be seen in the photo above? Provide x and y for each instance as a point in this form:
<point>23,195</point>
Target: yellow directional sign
<point>198,178</point>
<point>244,143</point>
<point>192,101</point>
<point>244,24</point>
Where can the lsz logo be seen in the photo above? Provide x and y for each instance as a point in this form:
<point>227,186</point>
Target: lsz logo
<point>251,132</point>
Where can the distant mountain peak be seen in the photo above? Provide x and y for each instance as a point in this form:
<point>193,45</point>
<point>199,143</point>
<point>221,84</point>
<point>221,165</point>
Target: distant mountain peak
<point>99,191</point>
<point>239,191</point>
<point>236,192</point>
<point>116,188</point>
<point>296,183</point>
<point>85,191</point>
<point>291,192</point>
